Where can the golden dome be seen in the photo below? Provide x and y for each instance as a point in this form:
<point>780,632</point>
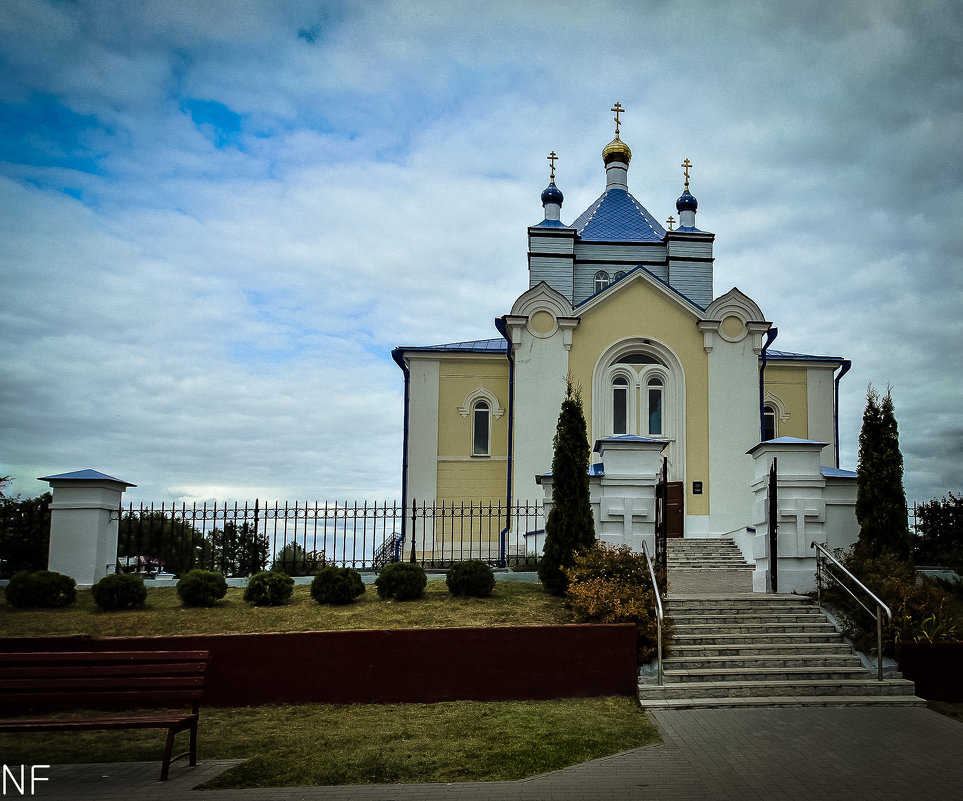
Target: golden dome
<point>616,150</point>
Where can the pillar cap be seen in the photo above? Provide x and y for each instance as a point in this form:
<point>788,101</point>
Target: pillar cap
<point>85,475</point>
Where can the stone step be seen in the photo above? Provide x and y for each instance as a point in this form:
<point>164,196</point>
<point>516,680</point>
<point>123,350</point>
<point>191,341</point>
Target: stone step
<point>769,701</point>
<point>749,627</point>
<point>828,687</point>
<point>755,639</point>
<point>744,674</point>
<point>727,650</point>
<point>726,618</point>
<point>774,660</point>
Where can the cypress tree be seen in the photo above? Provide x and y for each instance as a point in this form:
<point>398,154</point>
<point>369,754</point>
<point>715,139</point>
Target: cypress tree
<point>880,498</point>
<point>570,527</point>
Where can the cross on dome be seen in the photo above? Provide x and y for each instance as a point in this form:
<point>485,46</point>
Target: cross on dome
<point>552,158</point>
<point>686,165</point>
<point>617,108</point>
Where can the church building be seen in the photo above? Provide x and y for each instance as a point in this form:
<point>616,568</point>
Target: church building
<point>668,368</point>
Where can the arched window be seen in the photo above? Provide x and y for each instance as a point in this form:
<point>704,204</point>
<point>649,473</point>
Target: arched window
<point>481,429</point>
<point>620,274</point>
<point>620,402</point>
<point>655,391</point>
<point>601,280</point>
<point>768,423</point>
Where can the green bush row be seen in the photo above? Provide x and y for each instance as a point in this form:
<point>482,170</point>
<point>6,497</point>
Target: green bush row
<point>400,581</point>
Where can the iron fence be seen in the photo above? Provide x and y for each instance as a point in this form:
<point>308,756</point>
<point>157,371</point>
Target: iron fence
<point>240,539</point>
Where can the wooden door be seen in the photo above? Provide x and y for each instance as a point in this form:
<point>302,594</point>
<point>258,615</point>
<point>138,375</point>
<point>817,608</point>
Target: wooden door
<point>675,509</point>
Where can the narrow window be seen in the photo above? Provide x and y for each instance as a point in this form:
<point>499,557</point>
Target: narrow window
<point>481,429</point>
<point>619,275</point>
<point>601,280</point>
<point>620,395</point>
<point>655,390</point>
<point>768,423</point>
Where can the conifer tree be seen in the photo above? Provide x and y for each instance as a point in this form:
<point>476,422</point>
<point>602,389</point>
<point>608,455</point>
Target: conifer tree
<point>880,499</point>
<point>570,527</point>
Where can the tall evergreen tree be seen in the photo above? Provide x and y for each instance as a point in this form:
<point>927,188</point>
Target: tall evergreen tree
<point>570,527</point>
<point>880,499</point>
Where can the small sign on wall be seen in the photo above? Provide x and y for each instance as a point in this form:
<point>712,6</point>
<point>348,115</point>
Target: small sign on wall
<point>696,487</point>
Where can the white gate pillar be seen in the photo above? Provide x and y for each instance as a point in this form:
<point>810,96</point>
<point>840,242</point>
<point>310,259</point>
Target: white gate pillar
<point>801,511</point>
<point>83,523</point>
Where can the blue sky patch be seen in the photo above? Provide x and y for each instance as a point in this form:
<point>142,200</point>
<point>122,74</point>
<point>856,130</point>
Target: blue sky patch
<point>217,122</point>
<point>46,133</point>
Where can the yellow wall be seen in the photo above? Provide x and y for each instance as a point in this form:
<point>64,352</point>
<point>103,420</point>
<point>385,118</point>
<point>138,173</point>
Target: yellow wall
<point>788,383</point>
<point>462,476</point>
<point>641,310</point>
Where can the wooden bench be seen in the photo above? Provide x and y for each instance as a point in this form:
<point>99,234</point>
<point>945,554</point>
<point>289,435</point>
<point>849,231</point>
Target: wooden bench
<point>36,682</point>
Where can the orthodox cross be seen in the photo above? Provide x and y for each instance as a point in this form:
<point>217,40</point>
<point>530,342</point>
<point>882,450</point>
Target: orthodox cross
<point>552,158</point>
<point>617,108</point>
<point>670,222</point>
<point>686,164</point>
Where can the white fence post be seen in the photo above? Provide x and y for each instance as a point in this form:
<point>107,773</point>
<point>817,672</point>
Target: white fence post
<point>83,523</point>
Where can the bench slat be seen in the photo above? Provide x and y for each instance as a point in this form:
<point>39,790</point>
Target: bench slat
<point>41,657</point>
<point>94,669</point>
<point>178,723</point>
<point>119,683</point>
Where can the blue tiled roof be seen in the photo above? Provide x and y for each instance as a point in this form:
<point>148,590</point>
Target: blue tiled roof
<point>470,346</point>
<point>802,357</point>
<point>85,475</point>
<point>618,217</point>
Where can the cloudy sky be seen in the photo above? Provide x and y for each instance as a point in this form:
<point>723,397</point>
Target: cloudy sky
<point>219,217</point>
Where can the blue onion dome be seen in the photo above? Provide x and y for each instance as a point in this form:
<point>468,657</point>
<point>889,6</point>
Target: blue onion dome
<point>552,194</point>
<point>686,202</point>
<point>616,150</point>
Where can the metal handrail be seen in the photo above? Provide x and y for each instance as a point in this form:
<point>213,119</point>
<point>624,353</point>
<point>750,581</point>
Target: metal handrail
<point>880,606</point>
<point>659,614</point>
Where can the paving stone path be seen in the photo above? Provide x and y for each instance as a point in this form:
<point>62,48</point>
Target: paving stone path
<point>825,753</point>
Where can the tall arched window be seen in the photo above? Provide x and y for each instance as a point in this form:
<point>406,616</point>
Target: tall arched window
<point>620,403</point>
<point>601,280</point>
<point>481,429</point>
<point>768,423</point>
<point>656,391</point>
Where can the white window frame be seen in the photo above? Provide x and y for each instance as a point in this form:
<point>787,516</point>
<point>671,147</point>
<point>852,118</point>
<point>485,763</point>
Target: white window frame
<point>486,412</point>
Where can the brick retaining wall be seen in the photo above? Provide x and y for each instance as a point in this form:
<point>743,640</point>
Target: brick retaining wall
<point>407,665</point>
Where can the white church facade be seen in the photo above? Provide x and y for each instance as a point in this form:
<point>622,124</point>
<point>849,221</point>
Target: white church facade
<point>668,370</point>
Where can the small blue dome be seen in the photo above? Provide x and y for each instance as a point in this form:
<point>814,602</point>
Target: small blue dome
<point>552,194</point>
<point>686,202</point>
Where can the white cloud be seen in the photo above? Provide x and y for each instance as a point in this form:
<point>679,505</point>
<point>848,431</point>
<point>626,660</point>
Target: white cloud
<point>213,320</point>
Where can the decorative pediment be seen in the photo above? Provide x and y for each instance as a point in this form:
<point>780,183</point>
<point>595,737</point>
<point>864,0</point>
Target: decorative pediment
<point>481,394</point>
<point>542,298</point>
<point>733,317</point>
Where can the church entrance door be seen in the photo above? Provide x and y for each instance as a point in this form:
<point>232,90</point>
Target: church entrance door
<point>674,509</point>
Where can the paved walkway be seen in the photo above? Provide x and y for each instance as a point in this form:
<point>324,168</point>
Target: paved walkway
<point>845,753</point>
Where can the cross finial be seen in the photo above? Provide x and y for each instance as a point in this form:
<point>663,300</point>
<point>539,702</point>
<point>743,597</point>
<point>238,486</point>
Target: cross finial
<point>617,108</point>
<point>670,222</point>
<point>686,164</point>
<point>552,158</point>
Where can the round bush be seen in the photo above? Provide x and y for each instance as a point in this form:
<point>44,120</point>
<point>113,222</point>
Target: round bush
<point>336,585</point>
<point>201,587</point>
<point>401,581</point>
<point>118,591</point>
<point>43,588</point>
<point>473,578</point>
<point>269,589</point>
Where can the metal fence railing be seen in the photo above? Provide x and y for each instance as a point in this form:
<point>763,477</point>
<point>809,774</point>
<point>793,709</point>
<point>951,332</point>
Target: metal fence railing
<point>241,539</point>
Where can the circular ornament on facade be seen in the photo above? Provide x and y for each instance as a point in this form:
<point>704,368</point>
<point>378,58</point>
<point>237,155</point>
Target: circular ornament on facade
<point>542,324</point>
<point>732,328</point>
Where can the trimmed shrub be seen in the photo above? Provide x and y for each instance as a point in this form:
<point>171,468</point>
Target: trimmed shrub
<point>610,584</point>
<point>472,578</point>
<point>119,591</point>
<point>402,581</point>
<point>922,609</point>
<point>201,587</point>
<point>268,588</point>
<point>336,585</point>
<point>43,588</point>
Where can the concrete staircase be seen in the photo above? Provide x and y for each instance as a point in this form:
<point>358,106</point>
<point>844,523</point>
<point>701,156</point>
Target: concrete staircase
<point>756,649</point>
<point>707,565</point>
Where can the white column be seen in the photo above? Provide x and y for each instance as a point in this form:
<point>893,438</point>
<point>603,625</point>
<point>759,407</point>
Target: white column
<point>84,517</point>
